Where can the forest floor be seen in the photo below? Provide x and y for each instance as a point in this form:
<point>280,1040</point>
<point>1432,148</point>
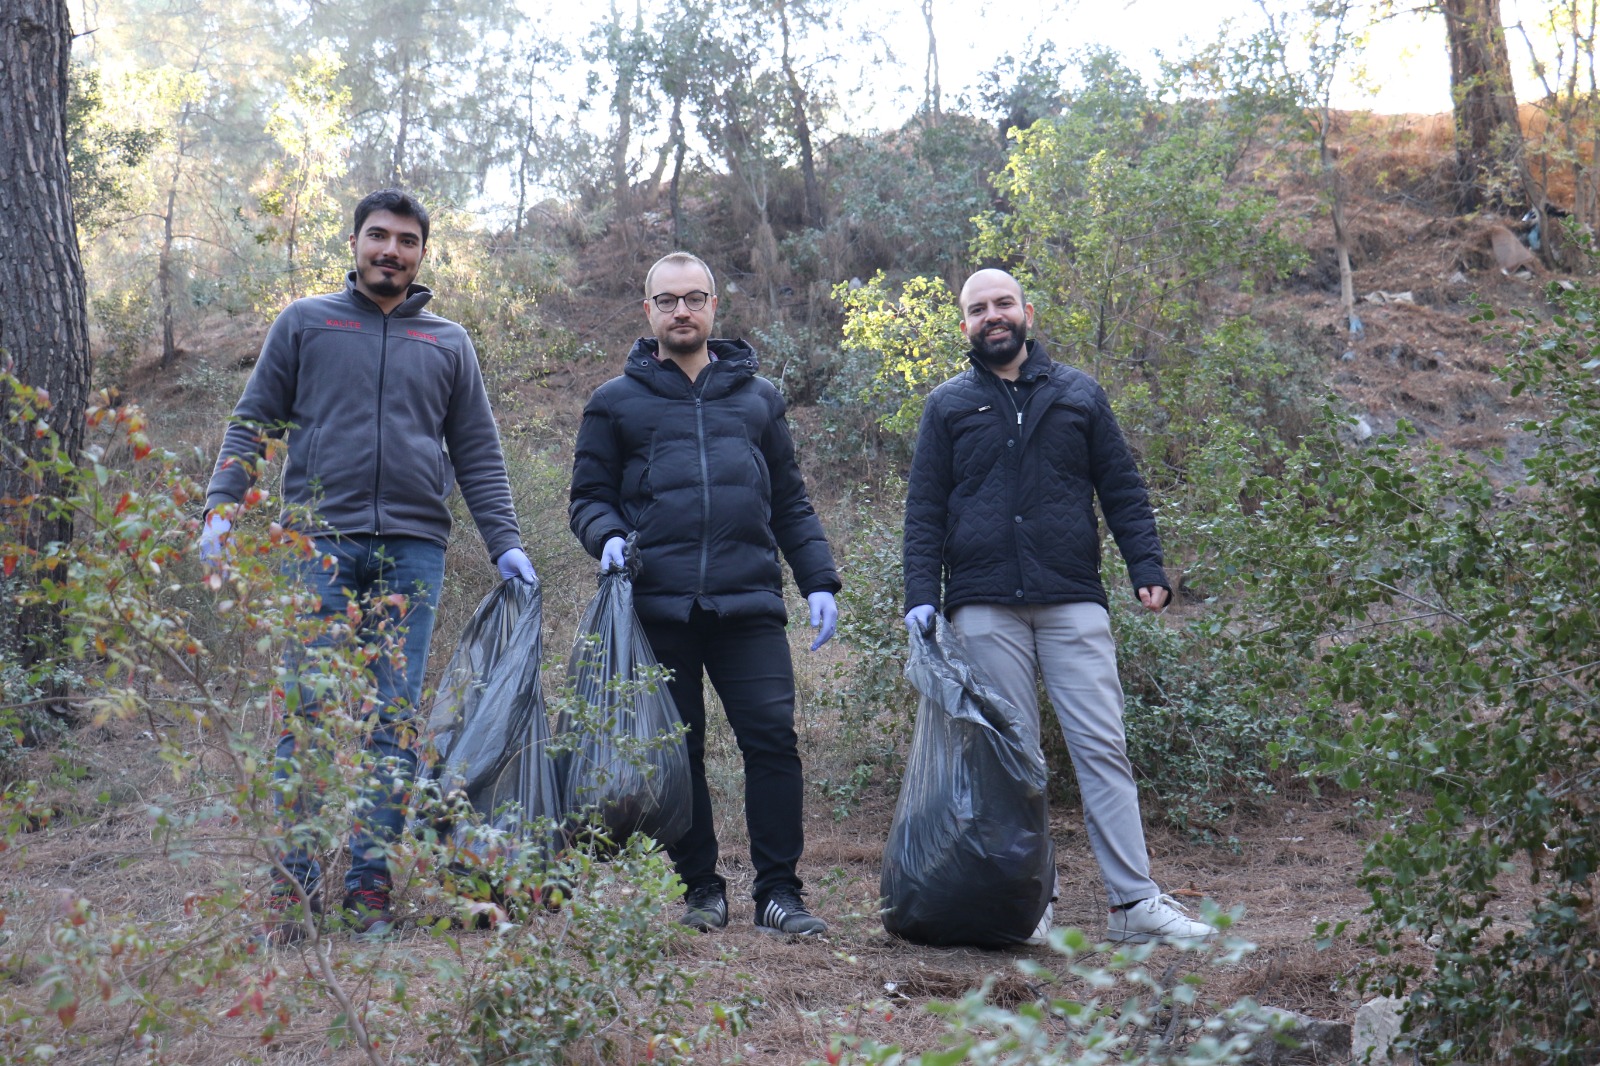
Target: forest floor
<point>1288,862</point>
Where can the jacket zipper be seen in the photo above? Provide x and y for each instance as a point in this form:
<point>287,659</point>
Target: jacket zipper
<point>1016,486</point>
<point>705,492</point>
<point>1006,389</point>
<point>377,473</point>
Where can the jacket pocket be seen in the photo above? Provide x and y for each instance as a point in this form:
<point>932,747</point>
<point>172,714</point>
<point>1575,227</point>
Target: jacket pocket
<point>637,497</point>
<point>763,475</point>
<point>302,473</point>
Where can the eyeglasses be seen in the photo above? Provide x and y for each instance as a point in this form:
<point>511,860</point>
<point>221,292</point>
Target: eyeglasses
<point>667,302</point>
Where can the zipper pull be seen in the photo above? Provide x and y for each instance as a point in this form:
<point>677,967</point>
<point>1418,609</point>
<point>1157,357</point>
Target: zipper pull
<point>1019,418</point>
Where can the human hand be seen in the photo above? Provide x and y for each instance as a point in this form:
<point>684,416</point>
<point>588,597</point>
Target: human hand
<point>213,546</point>
<point>612,555</point>
<point>514,563</point>
<point>920,618</point>
<point>1154,597</point>
<point>824,615</point>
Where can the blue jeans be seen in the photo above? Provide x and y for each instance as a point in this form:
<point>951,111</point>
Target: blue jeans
<point>368,568</point>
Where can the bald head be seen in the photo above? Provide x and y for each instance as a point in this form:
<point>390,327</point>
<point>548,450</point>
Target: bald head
<point>988,278</point>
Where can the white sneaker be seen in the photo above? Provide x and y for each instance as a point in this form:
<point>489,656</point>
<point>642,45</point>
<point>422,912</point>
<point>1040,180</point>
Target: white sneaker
<point>1157,918</point>
<point>1041,932</point>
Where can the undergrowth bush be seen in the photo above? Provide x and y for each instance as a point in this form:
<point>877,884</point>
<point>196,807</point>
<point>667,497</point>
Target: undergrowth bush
<point>1441,628</point>
<point>1126,1013</point>
<point>876,706</point>
<point>1197,745</point>
<point>169,974</point>
<point>594,979</point>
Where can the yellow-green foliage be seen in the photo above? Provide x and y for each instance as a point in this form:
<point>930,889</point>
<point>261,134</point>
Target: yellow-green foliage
<point>916,333</point>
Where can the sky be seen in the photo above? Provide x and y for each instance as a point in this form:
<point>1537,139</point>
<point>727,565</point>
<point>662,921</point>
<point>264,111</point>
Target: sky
<point>1406,63</point>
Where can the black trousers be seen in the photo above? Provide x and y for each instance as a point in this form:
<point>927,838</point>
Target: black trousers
<point>748,662</point>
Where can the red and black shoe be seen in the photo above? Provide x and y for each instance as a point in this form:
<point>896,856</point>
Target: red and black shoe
<point>366,908</point>
<point>286,916</point>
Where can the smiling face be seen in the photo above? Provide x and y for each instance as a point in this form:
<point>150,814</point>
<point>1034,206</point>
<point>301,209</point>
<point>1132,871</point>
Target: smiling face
<point>681,332</point>
<point>388,252</point>
<point>994,317</point>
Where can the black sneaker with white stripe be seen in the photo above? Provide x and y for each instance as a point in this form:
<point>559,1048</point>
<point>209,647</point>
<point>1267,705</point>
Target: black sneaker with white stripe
<point>705,907</point>
<point>782,914</point>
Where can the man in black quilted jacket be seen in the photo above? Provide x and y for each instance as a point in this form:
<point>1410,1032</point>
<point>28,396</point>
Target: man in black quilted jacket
<point>1001,531</point>
<point>690,449</point>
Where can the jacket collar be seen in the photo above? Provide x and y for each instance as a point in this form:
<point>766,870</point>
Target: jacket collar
<point>1037,364</point>
<point>734,364</point>
<point>417,297</point>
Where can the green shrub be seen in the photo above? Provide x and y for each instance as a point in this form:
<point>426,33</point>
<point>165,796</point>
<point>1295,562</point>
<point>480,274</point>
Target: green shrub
<point>876,706</point>
<point>1453,621</point>
<point>1195,742</point>
<point>1127,1012</point>
<point>596,976</point>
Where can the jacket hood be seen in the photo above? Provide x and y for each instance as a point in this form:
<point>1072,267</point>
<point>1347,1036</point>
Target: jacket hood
<point>417,297</point>
<point>735,364</point>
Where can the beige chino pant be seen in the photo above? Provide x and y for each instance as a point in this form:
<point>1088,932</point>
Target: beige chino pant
<point>1070,645</point>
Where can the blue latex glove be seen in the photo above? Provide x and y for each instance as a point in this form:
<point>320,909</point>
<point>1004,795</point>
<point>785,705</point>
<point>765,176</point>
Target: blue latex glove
<point>611,555</point>
<point>824,614</point>
<point>514,563</point>
<point>920,618</point>
<point>213,544</point>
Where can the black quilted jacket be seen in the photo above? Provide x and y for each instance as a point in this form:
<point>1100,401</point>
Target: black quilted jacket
<point>706,473</point>
<point>1005,513</point>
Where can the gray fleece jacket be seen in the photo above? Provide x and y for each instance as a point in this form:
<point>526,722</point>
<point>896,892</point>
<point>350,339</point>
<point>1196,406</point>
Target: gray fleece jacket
<point>384,414</point>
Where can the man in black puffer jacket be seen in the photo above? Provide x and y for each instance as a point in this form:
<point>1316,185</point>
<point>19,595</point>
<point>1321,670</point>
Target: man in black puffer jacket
<point>1000,509</point>
<point>690,449</point>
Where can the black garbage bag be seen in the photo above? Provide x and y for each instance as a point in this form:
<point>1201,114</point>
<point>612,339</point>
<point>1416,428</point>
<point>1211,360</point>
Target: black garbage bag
<point>488,729</point>
<point>969,859</point>
<point>624,757</point>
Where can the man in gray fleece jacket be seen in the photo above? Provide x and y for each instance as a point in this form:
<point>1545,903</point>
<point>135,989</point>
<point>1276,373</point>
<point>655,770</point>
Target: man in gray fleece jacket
<point>385,409</point>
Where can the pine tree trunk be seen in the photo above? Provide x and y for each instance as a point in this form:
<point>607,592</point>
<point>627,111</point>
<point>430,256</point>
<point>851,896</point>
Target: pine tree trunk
<point>1488,135</point>
<point>169,338</point>
<point>43,325</point>
<point>676,133</point>
<point>802,129</point>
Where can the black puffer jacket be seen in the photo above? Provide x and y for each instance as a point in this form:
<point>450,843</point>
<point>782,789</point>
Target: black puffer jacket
<point>1005,513</point>
<point>706,473</point>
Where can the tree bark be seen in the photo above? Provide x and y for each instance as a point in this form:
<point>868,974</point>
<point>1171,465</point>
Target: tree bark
<point>44,328</point>
<point>930,74</point>
<point>622,106</point>
<point>397,162</point>
<point>802,128</point>
<point>679,147</point>
<point>1488,135</point>
<point>169,342</point>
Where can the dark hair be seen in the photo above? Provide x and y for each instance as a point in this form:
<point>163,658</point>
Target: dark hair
<point>393,200</point>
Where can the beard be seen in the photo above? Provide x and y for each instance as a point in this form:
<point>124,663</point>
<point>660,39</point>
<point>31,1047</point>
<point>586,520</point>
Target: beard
<point>675,343</point>
<point>999,351</point>
<point>376,282</point>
